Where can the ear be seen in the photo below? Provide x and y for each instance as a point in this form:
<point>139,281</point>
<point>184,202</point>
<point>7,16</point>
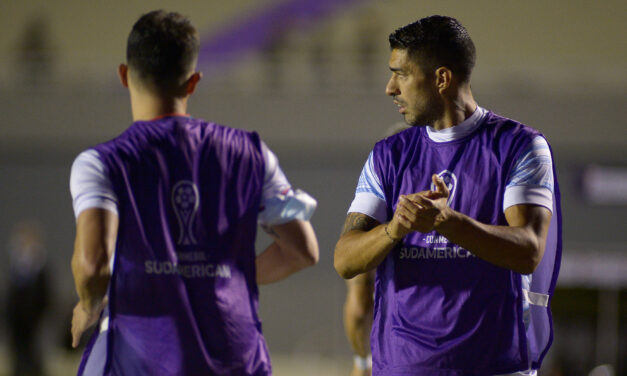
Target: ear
<point>192,81</point>
<point>123,74</point>
<point>443,78</point>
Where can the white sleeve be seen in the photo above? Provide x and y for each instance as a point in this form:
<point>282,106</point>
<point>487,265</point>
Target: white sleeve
<point>531,179</point>
<point>279,202</point>
<point>89,185</point>
<point>369,198</point>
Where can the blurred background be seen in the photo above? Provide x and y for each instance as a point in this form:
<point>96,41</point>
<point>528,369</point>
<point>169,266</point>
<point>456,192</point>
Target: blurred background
<point>309,76</point>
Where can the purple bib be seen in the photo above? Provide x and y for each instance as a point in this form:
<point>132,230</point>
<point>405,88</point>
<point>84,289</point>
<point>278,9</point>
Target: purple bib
<point>183,298</point>
<point>439,310</point>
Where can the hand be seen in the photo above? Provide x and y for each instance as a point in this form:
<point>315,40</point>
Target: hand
<point>402,222</point>
<point>420,211</point>
<point>432,206</point>
<point>83,319</point>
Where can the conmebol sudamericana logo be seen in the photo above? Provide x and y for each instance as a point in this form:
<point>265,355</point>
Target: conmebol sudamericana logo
<point>185,200</point>
<point>451,183</point>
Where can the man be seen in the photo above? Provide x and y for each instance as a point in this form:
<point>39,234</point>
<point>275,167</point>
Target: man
<point>460,217</point>
<point>167,212</point>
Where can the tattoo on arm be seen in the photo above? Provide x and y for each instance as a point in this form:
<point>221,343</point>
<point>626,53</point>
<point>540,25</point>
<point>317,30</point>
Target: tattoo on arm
<point>358,221</point>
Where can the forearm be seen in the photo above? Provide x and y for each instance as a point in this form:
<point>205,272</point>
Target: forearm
<point>96,233</point>
<point>358,333</point>
<point>274,265</point>
<point>516,248</point>
<point>295,247</point>
<point>360,251</point>
<point>91,283</point>
<point>358,330</point>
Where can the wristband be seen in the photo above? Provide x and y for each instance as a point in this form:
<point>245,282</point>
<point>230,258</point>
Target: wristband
<point>363,364</point>
<point>388,234</point>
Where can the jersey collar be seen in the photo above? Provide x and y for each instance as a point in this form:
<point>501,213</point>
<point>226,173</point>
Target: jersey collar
<point>461,130</point>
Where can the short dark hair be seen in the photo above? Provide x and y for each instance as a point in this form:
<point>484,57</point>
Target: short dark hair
<point>162,48</point>
<point>437,41</point>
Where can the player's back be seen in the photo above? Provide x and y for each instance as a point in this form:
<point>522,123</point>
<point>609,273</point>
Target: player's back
<point>183,297</point>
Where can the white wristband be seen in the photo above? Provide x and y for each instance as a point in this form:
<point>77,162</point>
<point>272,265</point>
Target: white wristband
<point>363,363</point>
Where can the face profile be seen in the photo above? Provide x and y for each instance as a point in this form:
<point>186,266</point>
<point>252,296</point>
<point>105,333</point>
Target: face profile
<point>412,90</point>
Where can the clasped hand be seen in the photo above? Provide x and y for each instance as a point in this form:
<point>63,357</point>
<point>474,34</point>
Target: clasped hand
<point>420,211</point>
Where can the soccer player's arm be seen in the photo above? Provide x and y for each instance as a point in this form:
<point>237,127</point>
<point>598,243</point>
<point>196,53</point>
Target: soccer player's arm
<point>518,246</point>
<point>95,207</point>
<point>363,245</point>
<point>528,203</point>
<point>285,217</point>
<point>366,239</point>
<point>96,232</point>
<point>294,248</point>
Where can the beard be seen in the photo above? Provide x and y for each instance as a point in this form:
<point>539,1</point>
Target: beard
<point>427,112</point>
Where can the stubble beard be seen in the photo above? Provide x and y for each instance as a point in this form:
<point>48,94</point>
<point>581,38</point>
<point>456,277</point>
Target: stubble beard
<point>430,111</point>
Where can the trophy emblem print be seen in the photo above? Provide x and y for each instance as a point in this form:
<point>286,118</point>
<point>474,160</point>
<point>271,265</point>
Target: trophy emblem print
<point>451,183</point>
<point>185,204</point>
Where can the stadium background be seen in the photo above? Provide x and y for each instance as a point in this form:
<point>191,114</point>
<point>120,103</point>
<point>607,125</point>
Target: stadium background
<point>309,77</point>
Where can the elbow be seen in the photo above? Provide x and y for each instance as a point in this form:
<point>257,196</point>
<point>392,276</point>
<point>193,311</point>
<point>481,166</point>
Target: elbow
<point>81,268</point>
<point>309,255</point>
<point>533,243</point>
<point>312,256</point>
<point>307,247</point>
<point>531,261</point>
<point>345,273</point>
<point>86,269</point>
<point>342,271</point>
<point>526,268</point>
<point>342,263</point>
<point>342,268</point>
<point>532,264</point>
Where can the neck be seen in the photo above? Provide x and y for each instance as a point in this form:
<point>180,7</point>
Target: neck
<point>456,109</point>
<point>146,106</point>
